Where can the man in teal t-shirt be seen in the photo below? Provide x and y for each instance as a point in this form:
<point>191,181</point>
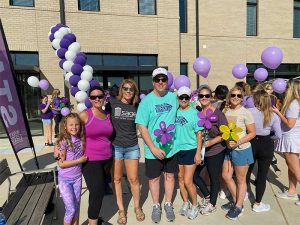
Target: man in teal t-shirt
<point>159,106</point>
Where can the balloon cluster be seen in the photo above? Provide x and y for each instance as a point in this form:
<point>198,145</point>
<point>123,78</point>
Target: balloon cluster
<point>78,75</point>
<point>35,82</point>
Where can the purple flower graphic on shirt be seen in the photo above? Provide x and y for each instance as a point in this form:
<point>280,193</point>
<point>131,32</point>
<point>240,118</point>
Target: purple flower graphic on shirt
<point>164,132</point>
<point>206,119</point>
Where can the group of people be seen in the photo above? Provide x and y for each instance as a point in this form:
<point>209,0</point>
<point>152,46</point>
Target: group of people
<point>50,110</point>
<point>175,143</point>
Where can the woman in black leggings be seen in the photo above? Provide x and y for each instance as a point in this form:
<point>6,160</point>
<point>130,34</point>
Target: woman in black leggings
<point>214,154</point>
<point>262,144</point>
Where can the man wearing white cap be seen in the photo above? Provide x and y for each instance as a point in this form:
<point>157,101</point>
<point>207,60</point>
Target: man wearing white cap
<point>158,106</point>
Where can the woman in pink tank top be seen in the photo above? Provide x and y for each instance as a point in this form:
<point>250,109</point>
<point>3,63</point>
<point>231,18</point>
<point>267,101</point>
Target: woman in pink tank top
<point>98,130</point>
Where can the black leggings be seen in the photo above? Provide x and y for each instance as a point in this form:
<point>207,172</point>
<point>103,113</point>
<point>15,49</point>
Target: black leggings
<point>263,150</point>
<point>94,173</point>
<point>214,165</point>
<point>57,119</point>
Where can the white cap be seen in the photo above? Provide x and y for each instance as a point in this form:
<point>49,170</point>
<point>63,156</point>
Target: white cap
<point>159,71</point>
<point>184,91</point>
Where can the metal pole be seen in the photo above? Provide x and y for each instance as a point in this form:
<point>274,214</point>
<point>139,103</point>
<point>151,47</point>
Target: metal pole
<point>197,38</point>
<point>62,11</point>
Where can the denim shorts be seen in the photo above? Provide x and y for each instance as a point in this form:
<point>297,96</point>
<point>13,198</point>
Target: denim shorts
<point>120,153</point>
<point>46,121</point>
<point>240,157</point>
<point>186,157</point>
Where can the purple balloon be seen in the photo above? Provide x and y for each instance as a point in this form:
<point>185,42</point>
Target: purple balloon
<point>64,43</point>
<point>260,74</point>
<point>61,53</point>
<point>94,83</point>
<point>202,66</point>
<point>181,81</point>
<point>142,96</point>
<point>71,37</point>
<point>170,79</point>
<point>88,103</point>
<point>61,62</point>
<point>56,28</point>
<point>239,71</point>
<point>74,80</point>
<point>82,54</point>
<point>172,87</point>
<point>51,37</point>
<point>279,85</point>
<point>76,69</point>
<point>65,111</point>
<point>80,60</point>
<point>44,84</point>
<point>271,57</point>
<point>74,90</point>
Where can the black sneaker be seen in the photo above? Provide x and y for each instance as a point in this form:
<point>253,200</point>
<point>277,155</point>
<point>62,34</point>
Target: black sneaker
<point>226,207</point>
<point>234,213</point>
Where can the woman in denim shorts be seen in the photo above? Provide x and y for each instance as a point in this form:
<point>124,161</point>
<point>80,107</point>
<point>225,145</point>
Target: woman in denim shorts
<point>239,155</point>
<point>125,146</point>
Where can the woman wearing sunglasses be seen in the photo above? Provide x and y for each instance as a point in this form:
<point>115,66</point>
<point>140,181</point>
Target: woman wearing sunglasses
<point>125,146</point>
<point>98,131</point>
<point>188,143</point>
<point>239,155</point>
<point>214,153</point>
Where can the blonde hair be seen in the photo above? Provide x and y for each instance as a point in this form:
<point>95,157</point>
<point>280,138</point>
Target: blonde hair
<point>267,85</point>
<point>236,88</point>
<point>292,92</point>
<point>133,85</point>
<point>245,87</point>
<point>55,93</point>
<point>262,102</point>
<point>65,136</point>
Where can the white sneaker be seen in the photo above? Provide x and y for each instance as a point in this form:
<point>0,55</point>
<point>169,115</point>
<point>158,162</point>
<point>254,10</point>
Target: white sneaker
<point>208,209</point>
<point>222,194</point>
<point>246,196</point>
<point>184,208</point>
<point>285,194</point>
<point>262,207</point>
<point>194,211</point>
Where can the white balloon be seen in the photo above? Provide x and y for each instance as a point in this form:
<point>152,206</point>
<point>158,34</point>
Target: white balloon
<point>68,75</point>
<point>67,84</point>
<point>75,46</point>
<point>59,35</point>
<point>33,81</point>
<point>67,65</point>
<point>80,107</point>
<point>69,30</point>
<point>81,96</point>
<point>55,43</point>
<point>83,85</point>
<point>70,55</point>
<point>63,30</point>
<point>86,75</point>
<point>88,68</point>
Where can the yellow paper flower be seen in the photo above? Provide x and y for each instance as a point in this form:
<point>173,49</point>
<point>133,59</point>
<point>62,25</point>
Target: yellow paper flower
<point>230,131</point>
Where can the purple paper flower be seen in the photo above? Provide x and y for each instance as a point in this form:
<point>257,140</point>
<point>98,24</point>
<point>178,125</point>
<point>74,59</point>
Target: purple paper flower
<point>163,132</point>
<point>206,119</point>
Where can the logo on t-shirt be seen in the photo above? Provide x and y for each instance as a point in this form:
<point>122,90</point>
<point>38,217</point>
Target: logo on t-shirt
<point>118,111</point>
<point>162,108</point>
<point>124,114</point>
<point>181,120</point>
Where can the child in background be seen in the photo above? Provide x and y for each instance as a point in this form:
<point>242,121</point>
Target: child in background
<point>71,145</point>
<point>47,116</point>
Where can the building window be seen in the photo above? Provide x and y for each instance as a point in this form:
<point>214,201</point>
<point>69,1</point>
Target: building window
<point>183,16</point>
<point>296,33</point>
<point>25,58</point>
<point>89,5</point>
<point>27,3</point>
<point>147,7</point>
<point>251,17</point>
<point>184,69</point>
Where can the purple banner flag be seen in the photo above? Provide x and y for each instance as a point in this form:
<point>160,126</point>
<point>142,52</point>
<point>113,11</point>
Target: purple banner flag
<point>12,112</point>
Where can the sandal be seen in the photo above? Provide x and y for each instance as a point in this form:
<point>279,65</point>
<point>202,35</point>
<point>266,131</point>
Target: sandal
<point>139,214</point>
<point>122,220</point>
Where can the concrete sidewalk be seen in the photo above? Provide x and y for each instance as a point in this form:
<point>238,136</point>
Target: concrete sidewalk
<point>282,211</point>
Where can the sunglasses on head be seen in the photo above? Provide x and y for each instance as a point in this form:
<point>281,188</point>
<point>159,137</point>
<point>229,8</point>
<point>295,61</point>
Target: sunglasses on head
<point>184,97</point>
<point>236,95</point>
<point>94,97</point>
<point>202,96</point>
<point>163,79</point>
<point>127,89</point>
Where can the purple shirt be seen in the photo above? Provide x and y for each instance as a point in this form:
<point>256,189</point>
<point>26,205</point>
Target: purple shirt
<point>71,153</point>
<point>248,102</point>
<point>214,132</point>
<point>48,114</point>
<point>264,131</point>
<point>98,132</point>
